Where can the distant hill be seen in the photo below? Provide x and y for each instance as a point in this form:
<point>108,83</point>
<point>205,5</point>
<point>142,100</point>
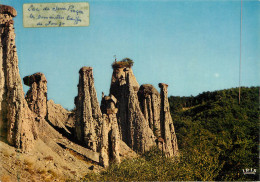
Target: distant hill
<point>217,138</point>
<point>213,123</point>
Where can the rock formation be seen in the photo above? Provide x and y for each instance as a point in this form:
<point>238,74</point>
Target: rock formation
<point>167,127</point>
<point>55,114</point>
<point>141,137</point>
<point>110,141</point>
<point>36,96</point>
<point>131,118</point>
<point>88,113</point>
<point>61,119</point>
<point>16,118</point>
<point>134,129</point>
<point>143,114</point>
<point>156,110</point>
<point>150,102</point>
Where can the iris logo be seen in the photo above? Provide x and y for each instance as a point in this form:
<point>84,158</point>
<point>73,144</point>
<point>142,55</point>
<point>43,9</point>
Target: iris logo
<point>249,171</point>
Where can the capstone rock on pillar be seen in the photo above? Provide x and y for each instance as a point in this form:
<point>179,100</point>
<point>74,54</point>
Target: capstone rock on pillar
<point>36,96</point>
<point>133,126</point>
<point>16,119</point>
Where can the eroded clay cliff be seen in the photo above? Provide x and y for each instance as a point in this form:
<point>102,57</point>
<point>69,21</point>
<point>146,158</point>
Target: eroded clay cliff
<point>143,114</point>
<point>167,127</point>
<point>60,118</point>
<point>133,126</point>
<point>150,103</point>
<point>131,118</point>
<point>36,96</point>
<point>110,140</point>
<point>17,120</point>
<point>88,113</point>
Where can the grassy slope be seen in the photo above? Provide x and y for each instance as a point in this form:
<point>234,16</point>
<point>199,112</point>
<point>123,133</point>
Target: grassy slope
<point>217,138</point>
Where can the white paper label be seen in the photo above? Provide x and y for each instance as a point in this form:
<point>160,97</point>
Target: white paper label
<point>55,14</point>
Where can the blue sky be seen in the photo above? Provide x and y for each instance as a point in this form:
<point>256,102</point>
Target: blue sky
<point>191,45</point>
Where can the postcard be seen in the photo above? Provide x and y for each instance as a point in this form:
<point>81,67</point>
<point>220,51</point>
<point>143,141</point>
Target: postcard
<point>124,90</point>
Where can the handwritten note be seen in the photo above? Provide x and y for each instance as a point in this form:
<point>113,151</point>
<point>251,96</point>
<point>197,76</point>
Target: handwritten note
<point>55,14</point>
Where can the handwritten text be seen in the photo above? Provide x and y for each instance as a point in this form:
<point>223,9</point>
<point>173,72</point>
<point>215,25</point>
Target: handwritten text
<point>55,14</point>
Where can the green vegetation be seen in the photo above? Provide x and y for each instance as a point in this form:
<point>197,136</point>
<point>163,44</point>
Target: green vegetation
<point>126,62</point>
<point>217,138</point>
<point>153,166</point>
<point>214,123</point>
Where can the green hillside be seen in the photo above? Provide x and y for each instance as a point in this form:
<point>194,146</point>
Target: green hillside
<point>215,126</point>
<point>217,138</point>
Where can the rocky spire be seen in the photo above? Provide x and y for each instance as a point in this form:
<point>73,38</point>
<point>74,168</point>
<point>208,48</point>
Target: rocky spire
<point>36,96</point>
<point>88,113</point>
<point>150,103</point>
<point>15,118</point>
<point>110,141</point>
<point>133,127</point>
<point>167,127</point>
<point>141,136</point>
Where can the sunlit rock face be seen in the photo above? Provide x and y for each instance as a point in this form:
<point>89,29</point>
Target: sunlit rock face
<point>143,113</point>
<point>156,110</point>
<point>150,103</point>
<point>36,96</point>
<point>167,127</point>
<point>134,129</point>
<point>60,118</point>
<point>16,119</point>
<point>88,113</point>
<point>131,118</point>
<point>110,140</point>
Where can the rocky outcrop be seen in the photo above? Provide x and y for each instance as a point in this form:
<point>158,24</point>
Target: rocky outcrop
<point>143,114</point>
<point>36,96</point>
<point>60,118</point>
<point>126,152</point>
<point>156,110</point>
<point>141,136</point>
<point>98,131</point>
<point>132,118</point>
<point>150,103</point>
<point>16,119</point>
<point>110,140</point>
<point>8,10</point>
<point>134,129</point>
<point>88,113</point>
<point>167,127</point>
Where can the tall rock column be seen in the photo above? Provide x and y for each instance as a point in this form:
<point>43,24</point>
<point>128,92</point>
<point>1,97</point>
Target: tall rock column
<point>36,96</point>
<point>150,103</point>
<point>110,139</point>
<point>120,90</point>
<point>141,135</point>
<point>133,127</point>
<point>167,127</point>
<point>88,113</point>
<point>16,117</point>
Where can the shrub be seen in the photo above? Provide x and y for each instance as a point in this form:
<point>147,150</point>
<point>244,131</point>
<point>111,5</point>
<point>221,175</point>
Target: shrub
<point>126,62</point>
<point>217,138</point>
